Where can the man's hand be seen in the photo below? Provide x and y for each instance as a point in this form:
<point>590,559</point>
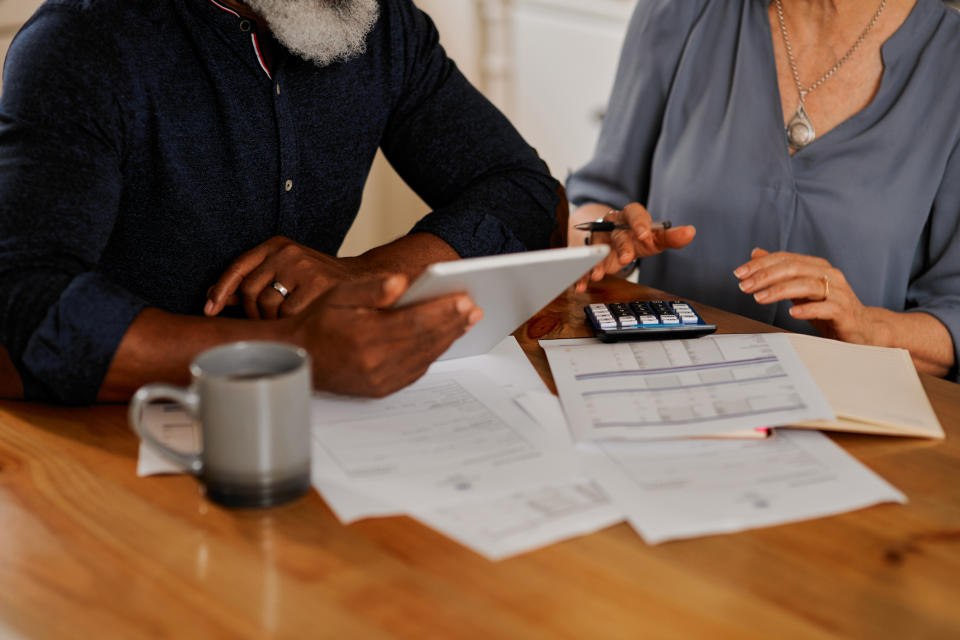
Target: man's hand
<point>626,245</point>
<point>357,343</point>
<point>360,346</point>
<point>304,272</point>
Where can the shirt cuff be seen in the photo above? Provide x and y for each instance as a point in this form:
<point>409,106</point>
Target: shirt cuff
<point>950,318</point>
<point>68,355</point>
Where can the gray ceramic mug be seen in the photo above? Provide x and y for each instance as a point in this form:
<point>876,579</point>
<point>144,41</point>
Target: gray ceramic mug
<point>252,400</point>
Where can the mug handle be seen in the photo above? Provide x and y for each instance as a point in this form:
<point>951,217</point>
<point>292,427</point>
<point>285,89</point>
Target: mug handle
<point>187,398</point>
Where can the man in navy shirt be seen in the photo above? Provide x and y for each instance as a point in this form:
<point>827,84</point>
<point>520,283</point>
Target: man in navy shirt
<point>162,160</point>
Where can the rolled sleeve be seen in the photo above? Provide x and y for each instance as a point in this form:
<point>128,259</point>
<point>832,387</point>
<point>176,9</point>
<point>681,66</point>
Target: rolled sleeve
<point>60,185</point>
<point>935,285</point>
<point>68,355</point>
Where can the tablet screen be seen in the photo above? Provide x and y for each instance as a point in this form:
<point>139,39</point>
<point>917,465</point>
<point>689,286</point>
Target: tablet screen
<point>510,288</point>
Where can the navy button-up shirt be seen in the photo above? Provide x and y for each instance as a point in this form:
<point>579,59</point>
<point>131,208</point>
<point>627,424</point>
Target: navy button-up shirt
<point>145,144</point>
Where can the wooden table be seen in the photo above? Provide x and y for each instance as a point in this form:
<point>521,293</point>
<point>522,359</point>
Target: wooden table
<point>88,550</point>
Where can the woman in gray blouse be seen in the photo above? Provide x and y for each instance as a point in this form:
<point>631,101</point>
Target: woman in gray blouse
<point>813,148</point>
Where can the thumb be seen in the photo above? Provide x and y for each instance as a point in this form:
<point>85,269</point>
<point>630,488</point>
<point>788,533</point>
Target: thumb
<point>678,237</point>
<point>370,293</point>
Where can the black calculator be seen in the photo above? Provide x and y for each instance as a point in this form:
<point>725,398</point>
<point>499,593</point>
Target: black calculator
<point>646,320</point>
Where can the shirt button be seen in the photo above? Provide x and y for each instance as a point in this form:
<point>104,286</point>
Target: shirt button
<point>278,88</point>
<point>244,25</point>
<point>288,185</point>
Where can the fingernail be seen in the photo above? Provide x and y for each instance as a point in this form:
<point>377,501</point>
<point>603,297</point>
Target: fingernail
<point>464,305</point>
<point>208,308</point>
<point>391,282</point>
<point>746,285</point>
<point>475,316</point>
<point>794,312</point>
<point>740,272</point>
<point>760,296</point>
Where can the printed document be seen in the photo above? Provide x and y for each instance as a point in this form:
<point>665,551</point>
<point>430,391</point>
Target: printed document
<point>525,519</point>
<point>682,388</point>
<point>688,488</point>
<point>693,487</point>
<point>443,439</point>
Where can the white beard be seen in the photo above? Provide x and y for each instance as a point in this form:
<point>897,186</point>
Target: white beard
<point>320,31</point>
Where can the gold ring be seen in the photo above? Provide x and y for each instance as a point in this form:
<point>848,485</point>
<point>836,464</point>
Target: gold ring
<point>826,286</point>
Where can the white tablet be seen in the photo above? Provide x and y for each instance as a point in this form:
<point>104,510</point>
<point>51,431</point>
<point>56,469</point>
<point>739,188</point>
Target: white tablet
<point>509,288</point>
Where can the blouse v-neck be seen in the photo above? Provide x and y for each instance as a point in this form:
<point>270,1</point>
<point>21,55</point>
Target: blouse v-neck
<point>917,21</point>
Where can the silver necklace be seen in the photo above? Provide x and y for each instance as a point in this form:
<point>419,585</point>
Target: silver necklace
<point>800,131</point>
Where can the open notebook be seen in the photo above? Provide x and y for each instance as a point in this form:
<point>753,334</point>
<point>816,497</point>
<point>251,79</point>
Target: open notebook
<point>871,389</point>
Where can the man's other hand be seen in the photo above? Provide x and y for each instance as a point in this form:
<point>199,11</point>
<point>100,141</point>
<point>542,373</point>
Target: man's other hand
<point>361,346</point>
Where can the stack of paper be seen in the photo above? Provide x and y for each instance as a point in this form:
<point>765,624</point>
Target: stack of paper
<point>494,464</point>
<point>670,389</point>
<point>670,489</point>
<point>453,450</point>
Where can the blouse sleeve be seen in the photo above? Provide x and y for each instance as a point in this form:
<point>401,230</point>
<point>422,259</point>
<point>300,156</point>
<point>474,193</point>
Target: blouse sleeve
<point>935,282</point>
<point>619,172</point>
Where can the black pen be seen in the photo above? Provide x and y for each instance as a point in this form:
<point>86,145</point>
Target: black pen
<point>603,225</point>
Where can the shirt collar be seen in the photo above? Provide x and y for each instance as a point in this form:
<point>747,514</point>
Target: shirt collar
<point>230,21</point>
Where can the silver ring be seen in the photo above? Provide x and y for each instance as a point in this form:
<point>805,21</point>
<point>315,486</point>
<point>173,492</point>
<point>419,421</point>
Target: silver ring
<point>282,290</point>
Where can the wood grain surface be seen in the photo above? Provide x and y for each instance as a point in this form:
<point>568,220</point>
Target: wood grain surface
<point>88,550</point>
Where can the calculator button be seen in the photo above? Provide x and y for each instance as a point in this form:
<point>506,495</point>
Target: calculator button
<point>669,319</point>
<point>648,319</point>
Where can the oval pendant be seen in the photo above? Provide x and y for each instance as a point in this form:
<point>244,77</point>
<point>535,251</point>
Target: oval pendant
<point>800,131</point>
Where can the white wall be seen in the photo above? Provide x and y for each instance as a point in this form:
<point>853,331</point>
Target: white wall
<point>13,13</point>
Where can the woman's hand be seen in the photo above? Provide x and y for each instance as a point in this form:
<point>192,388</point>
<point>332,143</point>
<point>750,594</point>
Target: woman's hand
<point>626,245</point>
<point>302,272</point>
<point>819,291</point>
